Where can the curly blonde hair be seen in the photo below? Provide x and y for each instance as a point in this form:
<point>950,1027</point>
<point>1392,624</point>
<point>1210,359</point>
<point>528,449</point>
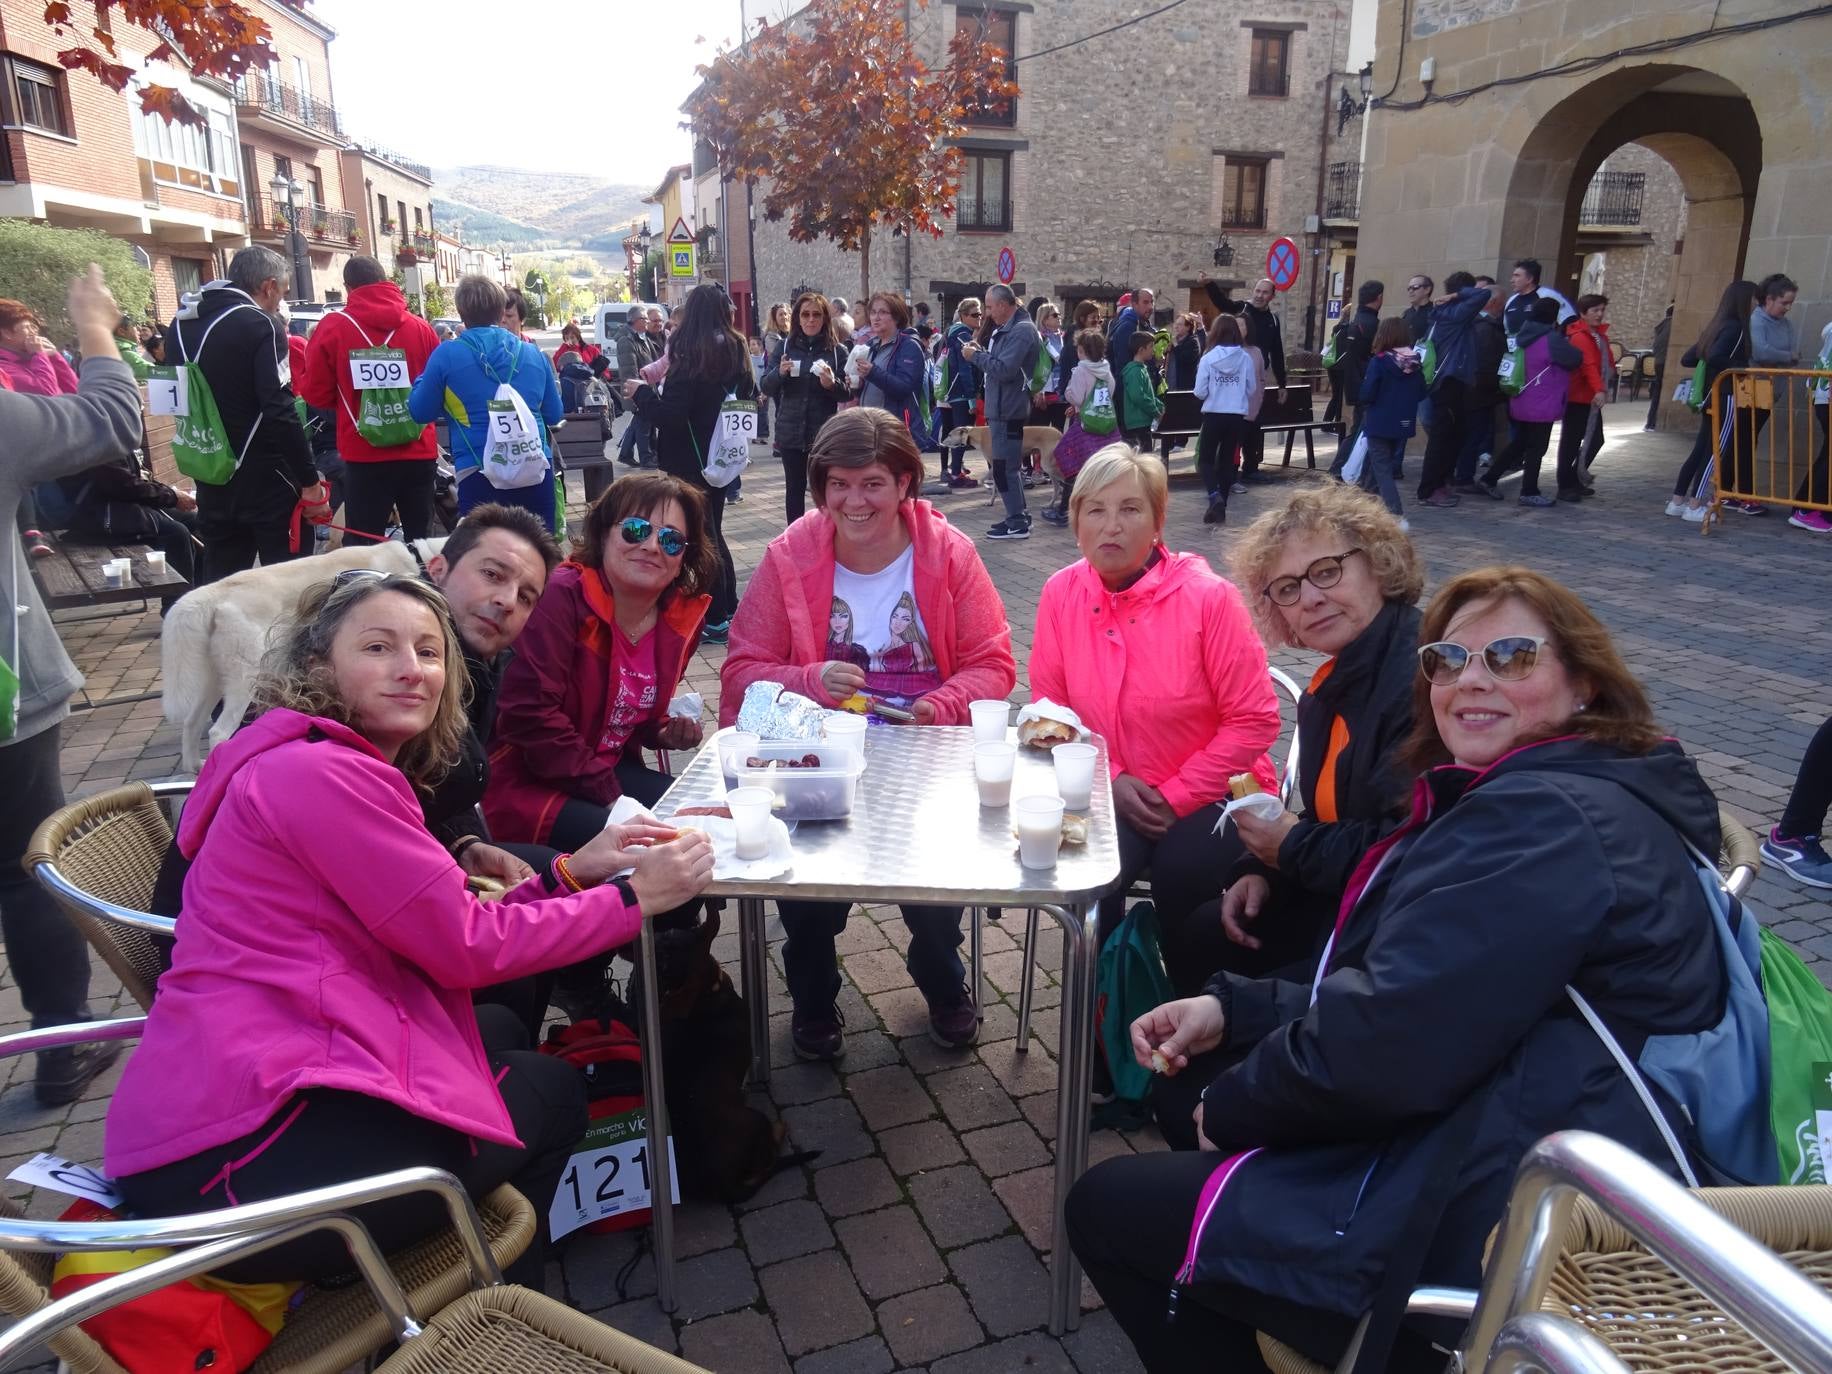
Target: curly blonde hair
<point>296,670</point>
<point>1355,516</point>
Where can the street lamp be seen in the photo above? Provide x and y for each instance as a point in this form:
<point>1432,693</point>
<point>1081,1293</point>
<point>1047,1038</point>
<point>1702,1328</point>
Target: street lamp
<point>285,188</point>
<point>1224,252</point>
<point>1348,108</point>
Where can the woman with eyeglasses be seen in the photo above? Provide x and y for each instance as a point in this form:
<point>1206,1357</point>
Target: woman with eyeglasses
<point>597,664</point>
<point>1547,848</point>
<point>1157,655</point>
<point>806,396</point>
<point>962,384</point>
<point>316,1024</point>
<point>877,574</point>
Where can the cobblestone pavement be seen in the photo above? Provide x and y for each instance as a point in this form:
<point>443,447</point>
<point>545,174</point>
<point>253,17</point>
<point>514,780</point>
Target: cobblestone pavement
<point>919,1236</point>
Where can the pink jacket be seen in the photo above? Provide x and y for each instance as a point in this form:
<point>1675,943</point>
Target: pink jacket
<point>327,940</point>
<point>1169,671</point>
<point>780,631</point>
<point>42,374</point>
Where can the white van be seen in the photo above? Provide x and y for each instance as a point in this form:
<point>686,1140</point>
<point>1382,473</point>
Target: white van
<point>607,319</point>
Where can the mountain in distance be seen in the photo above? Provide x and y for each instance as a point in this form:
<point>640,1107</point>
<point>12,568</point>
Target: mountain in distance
<point>536,209</point>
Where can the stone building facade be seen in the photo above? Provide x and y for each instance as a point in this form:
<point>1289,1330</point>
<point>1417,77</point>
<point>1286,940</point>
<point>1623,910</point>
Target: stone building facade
<point>1126,161</point>
<point>1629,233</point>
<point>1528,99</point>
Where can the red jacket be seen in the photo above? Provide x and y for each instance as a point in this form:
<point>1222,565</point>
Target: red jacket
<point>556,697</point>
<point>374,314</point>
<point>1589,379</point>
<point>780,631</point>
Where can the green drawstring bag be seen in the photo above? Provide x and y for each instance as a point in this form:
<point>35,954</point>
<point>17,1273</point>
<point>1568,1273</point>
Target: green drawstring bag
<point>1429,365</point>
<point>9,682</point>
<point>1129,981</point>
<point>1800,1062</point>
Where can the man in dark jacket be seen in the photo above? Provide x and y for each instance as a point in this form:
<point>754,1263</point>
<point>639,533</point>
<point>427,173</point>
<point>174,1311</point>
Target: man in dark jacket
<point>1007,362</point>
<point>1452,319</point>
<point>1354,343</point>
<point>245,363</point>
<point>636,349</point>
<point>1663,332</point>
<point>1485,397</point>
<point>1525,283</point>
<point>1129,320</point>
<point>1418,311</point>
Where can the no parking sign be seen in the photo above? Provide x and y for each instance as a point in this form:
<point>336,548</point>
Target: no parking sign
<point>1282,264</point>
<point>1008,265</point>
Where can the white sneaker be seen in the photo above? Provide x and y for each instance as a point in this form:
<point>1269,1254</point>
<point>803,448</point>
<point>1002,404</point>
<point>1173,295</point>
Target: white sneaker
<point>1695,514</point>
<point>1675,506</point>
<point>1405,525</point>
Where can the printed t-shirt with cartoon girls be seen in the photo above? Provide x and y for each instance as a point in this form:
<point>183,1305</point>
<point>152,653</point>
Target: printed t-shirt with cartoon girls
<point>633,695</point>
<point>875,624</point>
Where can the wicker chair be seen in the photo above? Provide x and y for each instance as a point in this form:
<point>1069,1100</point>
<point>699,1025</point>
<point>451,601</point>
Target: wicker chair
<point>513,1330</point>
<point>99,857</point>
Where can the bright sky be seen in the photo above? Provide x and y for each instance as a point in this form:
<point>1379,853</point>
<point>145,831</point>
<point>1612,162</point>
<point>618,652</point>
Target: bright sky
<point>435,82</point>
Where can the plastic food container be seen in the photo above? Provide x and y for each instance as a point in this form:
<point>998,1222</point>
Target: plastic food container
<point>802,794</point>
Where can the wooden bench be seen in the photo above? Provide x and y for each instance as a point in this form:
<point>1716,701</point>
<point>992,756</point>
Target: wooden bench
<point>71,579</point>
<point>1182,417</point>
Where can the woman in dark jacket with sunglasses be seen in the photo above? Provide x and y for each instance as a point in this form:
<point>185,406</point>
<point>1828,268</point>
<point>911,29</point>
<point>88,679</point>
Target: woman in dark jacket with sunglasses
<point>1547,847</point>
<point>806,397</point>
<point>598,663</point>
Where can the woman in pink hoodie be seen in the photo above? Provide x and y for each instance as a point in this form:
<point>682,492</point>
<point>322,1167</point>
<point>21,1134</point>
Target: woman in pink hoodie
<point>1158,656</point>
<point>316,1024</point>
<point>872,591</point>
<point>29,361</point>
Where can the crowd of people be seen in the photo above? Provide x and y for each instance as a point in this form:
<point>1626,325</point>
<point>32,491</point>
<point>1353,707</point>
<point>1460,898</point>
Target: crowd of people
<point>1370,1000</point>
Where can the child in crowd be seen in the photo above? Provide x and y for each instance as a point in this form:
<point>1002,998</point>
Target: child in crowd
<point>1226,382</point>
<point>1139,400</point>
<point>1391,390</point>
<point>1079,443</point>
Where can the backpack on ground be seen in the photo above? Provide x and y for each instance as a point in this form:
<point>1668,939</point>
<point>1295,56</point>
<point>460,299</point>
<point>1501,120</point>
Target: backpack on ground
<point>608,1055</point>
<point>1129,981</point>
<point>378,375</point>
<point>1751,1090</point>
<point>1098,415</point>
<point>200,442</point>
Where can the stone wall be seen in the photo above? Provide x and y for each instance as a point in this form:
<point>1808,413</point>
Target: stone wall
<point>1637,276</point>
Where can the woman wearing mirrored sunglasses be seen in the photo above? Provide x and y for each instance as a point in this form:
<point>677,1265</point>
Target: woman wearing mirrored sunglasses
<point>1546,847</point>
<point>598,662</point>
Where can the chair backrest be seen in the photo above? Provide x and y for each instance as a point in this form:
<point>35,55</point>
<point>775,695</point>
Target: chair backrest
<point>1288,773</point>
<point>100,857</point>
<point>1739,853</point>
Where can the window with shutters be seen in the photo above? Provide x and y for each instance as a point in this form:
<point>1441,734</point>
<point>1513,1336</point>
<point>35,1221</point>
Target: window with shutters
<point>1243,193</point>
<point>1269,72</point>
<point>37,97</point>
<point>984,201</point>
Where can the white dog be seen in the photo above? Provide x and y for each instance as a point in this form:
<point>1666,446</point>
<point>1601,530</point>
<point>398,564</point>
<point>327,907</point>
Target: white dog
<point>214,635</point>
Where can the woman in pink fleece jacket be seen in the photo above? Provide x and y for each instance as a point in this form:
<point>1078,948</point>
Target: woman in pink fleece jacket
<point>316,1024</point>
<point>872,591</point>
<point>1158,655</point>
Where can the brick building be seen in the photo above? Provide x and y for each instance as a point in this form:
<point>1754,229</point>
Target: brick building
<point>675,199</point>
<point>76,154</point>
<point>392,197</point>
<point>1219,146</point>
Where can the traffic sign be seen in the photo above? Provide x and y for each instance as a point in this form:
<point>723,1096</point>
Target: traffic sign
<point>680,259</point>
<point>1282,264</point>
<point>680,233</point>
<point>1333,310</point>
<point>1008,265</point>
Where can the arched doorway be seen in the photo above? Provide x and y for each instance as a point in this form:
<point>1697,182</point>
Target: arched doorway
<point>1700,124</point>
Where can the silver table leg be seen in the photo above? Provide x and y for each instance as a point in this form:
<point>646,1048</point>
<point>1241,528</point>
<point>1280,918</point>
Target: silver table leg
<point>1080,942</point>
<point>1029,974</point>
<point>754,975</point>
<point>979,959</point>
<point>655,1097</point>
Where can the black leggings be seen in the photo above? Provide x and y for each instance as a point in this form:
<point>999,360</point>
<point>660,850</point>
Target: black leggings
<point>1523,455</point>
<point>405,485</point>
<point>794,483</point>
<point>1806,810</point>
<point>725,590</point>
<point>321,1136</point>
<point>1216,450</point>
<point>580,821</point>
<point>1813,486</point>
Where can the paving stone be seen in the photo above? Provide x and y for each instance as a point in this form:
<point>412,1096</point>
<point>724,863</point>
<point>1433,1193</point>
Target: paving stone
<point>815,1301</point>
<point>832,1127</point>
<point>970,1096</point>
<point>877,970</point>
<point>860,1186</point>
<point>1021,1075</point>
<point>928,1324</point>
<point>867,1049</point>
<point>1031,1198</point>
<point>923,1146</point>
<point>1034,1353</point>
<point>712,1283</point>
<point>925,1056</point>
<point>592,1264</point>
<point>890,1096</point>
<point>785,1231</point>
<point>902,1010</point>
<point>738,1340</point>
<point>1005,1149</point>
<point>1040,1111</point>
<point>957,1206</point>
<point>890,1252</point>
<point>797,1083</point>
<point>1098,1346</point>
<point>1008,1287</point>
<point>644,1320</point>
<point>783,1185</point>
<point>868,1356</point>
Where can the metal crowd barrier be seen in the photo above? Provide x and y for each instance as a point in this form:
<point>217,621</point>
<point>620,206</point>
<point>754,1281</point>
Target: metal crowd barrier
<point>1768,439</point>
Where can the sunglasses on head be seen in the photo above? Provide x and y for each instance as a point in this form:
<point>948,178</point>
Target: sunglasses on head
<point>636,530</point>
<point>350,575</point>
<point>1507,659</point>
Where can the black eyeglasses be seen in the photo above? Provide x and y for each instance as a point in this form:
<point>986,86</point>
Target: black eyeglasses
<point>637,530</point>
<point>1507,659</point>
<point>1323,574</point>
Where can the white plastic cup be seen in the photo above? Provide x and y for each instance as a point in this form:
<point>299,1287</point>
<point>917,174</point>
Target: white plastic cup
<point>734,749</point>
<point>114,572</point>
<point>847,731</point>
<point>155,560</point>
<point>795,367</point>
<point>1039,830</point>
<point>993,765</point>
<point>1075,774</point>
<point>989,720</point>
<point>750,808</point>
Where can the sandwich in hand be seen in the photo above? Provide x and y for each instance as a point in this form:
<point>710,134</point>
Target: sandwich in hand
<point>1242,785</point>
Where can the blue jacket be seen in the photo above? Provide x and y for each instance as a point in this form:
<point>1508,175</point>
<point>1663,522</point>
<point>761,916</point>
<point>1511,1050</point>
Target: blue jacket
<point>460,381</point>
<point>1120,332</point>
<point>897,369</point>
<point>1390,398</point>
<point>963,380</point>
<point>1452,333</point>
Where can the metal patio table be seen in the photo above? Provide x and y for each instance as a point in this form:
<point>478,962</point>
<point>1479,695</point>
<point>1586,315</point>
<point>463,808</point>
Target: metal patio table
<point>917,834</point>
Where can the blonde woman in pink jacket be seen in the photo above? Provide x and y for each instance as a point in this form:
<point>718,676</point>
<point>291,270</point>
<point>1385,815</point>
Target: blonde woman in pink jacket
<point>1158,656</point>
<point>871,591</point>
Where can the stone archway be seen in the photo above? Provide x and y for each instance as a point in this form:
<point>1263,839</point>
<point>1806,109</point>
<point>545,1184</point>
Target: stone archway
<point>1701,124</point>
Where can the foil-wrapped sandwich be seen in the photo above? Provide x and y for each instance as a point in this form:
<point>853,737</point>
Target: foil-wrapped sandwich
<point>1043,725</point>
<point>771,713</point>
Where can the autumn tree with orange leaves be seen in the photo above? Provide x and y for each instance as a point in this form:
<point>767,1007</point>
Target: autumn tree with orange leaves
<point>849,126</point>
<point>219,38</point>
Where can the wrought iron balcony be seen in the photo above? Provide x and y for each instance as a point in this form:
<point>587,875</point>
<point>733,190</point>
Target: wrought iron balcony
<point>394,159</point>
<point>258,94</point>
<point>1614,198</point>
<point>1342,191</point>
<point>1249,216</point>
<point>320,223</point>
